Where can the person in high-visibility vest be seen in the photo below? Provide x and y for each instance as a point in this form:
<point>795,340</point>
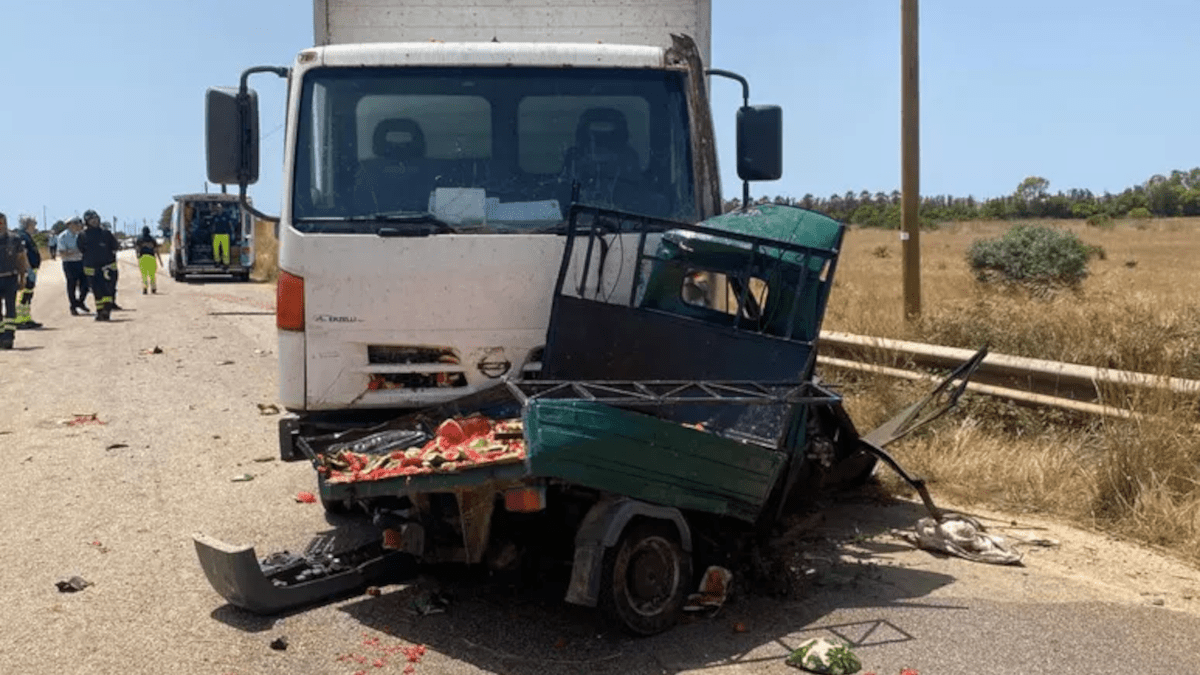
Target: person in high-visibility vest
<point>148,260</point>
<point>13,266</point>
<point>99,248</point>
<point>222,230</point>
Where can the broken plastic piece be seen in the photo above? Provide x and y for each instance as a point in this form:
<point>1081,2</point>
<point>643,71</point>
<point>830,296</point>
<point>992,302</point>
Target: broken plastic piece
<point>964,537</point>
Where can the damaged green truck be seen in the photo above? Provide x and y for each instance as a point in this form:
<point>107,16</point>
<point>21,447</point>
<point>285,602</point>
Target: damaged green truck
<point>680,414</point>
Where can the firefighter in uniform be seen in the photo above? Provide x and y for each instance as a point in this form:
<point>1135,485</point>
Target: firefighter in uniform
<point>13,266</point>
<point>99,248</point>
<point>25,293</point>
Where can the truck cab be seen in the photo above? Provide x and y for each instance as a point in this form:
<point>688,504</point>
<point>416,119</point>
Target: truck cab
<point>429,165</point>
<point>195,218</point>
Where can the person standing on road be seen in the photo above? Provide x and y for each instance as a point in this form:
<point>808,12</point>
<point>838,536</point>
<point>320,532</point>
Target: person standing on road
<point>72,262</point>
<point>34,257</point>
<point>13,266</point>
<point>99,248</point>
<point>52,239</point>
<point>116,271</point>
<point>222,231</point>
<point>148,259</point>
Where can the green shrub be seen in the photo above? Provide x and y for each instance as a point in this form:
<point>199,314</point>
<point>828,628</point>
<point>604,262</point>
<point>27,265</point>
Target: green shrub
<point>1100,220</point>
<point>1140,213</point>
<point>1033,255</point>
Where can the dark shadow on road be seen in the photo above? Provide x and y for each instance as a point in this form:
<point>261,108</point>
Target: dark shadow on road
<point>216,279</point>
<point>527,629</point>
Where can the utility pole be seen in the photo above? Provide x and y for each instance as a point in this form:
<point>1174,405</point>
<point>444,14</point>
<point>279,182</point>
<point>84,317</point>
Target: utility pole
<point>910,158</point>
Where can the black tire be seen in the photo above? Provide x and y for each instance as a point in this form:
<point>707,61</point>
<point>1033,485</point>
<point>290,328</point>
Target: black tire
<point>647,578</point>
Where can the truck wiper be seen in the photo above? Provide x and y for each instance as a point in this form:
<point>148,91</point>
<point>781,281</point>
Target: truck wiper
<point>557,228</point>
<point>408,217</point>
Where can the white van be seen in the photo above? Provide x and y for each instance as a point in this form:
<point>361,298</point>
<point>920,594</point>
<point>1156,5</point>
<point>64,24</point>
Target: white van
<point>193,220</point>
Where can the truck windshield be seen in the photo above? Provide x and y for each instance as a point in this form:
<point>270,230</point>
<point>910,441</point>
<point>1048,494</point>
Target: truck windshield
<point>433,150</point>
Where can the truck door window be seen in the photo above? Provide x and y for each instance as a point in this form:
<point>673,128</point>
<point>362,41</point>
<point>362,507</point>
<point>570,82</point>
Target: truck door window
<point>454,127</point>
<point>547,127</point>
<point>724,293</point>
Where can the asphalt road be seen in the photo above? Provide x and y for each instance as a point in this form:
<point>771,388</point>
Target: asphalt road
<point>116,454</point>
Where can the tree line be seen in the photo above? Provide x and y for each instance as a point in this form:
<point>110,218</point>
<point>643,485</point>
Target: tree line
<point>1161,196</point>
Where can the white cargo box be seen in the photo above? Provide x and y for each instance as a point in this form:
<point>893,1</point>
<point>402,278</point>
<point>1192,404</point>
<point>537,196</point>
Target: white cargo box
<point>633,22</point>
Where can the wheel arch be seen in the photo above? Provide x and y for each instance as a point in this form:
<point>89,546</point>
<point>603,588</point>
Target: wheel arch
<point>601,529</point>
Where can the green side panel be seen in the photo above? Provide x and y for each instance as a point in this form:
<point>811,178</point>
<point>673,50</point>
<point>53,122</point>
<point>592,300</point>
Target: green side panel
<point>640,456</point>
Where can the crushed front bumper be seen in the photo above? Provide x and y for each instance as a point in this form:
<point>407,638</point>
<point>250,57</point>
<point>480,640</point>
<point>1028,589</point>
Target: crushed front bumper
<point>285,581</point>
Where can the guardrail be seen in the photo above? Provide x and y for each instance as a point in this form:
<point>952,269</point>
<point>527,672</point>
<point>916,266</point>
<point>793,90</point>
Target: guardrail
<point>1034,381</point>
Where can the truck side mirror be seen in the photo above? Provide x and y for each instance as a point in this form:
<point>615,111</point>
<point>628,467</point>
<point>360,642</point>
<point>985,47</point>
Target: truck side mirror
<point>231,137</point>
<point>760,142</point>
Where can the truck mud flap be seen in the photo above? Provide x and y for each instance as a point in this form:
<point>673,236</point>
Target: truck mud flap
<point>284,581</point>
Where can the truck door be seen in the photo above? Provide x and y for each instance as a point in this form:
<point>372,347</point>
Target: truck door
<point>179,237</point>
<point>247,239</point>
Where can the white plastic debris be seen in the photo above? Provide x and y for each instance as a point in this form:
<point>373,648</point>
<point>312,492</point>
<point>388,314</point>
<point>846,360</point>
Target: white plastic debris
<point>964,537</point>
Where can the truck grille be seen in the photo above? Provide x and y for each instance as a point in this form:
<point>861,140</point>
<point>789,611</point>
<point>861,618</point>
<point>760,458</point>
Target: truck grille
<point>393,354</point>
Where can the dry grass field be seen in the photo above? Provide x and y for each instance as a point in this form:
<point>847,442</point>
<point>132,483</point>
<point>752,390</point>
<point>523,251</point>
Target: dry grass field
<point>1139,309</point>
<point>266,252</point>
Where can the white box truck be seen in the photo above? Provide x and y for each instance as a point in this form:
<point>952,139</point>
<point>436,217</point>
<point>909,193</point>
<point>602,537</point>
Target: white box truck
<point>433,151</point>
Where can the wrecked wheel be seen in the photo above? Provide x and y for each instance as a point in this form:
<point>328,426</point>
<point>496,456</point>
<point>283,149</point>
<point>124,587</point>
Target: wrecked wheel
<point>646,579</point>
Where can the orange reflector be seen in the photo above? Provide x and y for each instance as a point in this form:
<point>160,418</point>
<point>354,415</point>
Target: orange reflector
<point>289,302</point>
<point>525,499</point>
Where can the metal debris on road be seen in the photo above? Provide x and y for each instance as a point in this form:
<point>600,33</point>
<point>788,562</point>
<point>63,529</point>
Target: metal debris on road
<point>83,418</point>
<point>268,409</point>
<point>116,446</point>
<point>242,478</point>
<point>305,497</point>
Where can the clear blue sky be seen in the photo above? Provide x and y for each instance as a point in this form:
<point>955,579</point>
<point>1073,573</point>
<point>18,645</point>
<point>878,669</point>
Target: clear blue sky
<point>103,101</point>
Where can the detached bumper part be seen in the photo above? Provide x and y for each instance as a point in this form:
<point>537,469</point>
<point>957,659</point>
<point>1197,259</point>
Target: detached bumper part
<point>283,581</point>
